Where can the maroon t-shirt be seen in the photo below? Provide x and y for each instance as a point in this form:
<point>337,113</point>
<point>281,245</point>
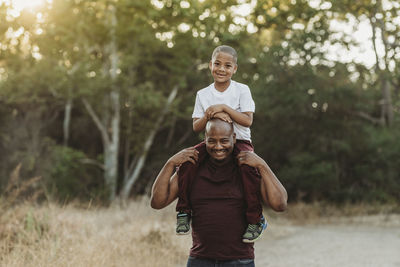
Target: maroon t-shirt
<point>218,213</point>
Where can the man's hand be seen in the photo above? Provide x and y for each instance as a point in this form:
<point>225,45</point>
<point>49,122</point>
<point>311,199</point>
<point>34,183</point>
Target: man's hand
<point>165,187</point>
<point>250,158</point>
<point>187,154</point>
<point>272,191</point>
<point>223,116</point>
<point>212,110</point>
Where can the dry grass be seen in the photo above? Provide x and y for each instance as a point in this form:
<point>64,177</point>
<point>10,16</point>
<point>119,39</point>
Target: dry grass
<point>134,235</point>
<point>52,235</point>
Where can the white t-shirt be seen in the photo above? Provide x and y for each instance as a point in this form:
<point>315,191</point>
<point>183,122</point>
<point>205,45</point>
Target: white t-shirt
<point>237,96</point>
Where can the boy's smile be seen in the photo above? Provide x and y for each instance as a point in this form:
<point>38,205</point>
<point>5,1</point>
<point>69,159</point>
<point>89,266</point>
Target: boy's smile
<point>222,67</point>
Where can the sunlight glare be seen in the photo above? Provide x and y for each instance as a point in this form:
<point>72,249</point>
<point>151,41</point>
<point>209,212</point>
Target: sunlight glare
<point>19,5</point>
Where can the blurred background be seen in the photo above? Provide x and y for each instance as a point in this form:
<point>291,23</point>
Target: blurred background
<point>96,95</point>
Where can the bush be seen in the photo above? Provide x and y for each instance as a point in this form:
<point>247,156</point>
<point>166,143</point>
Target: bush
<point>69,178</point>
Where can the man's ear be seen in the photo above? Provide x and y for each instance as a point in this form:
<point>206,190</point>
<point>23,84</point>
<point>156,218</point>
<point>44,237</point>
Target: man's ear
<point>235,68</point>
<point>234,138</point>
<point>210,64</point>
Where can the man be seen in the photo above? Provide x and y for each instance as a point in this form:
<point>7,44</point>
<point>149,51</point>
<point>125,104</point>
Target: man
<point>216,196</point>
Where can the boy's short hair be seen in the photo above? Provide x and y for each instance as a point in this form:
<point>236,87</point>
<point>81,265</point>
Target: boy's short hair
<point>225,49</point>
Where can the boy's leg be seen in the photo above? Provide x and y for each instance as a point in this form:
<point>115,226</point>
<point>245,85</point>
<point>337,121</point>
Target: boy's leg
<point>186,173</point>
<point>183,184</point>
<point>251,185</point>
<point>251,180</point>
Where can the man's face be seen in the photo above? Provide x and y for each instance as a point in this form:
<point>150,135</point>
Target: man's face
<point>220,140</point>
<point>222,67</point>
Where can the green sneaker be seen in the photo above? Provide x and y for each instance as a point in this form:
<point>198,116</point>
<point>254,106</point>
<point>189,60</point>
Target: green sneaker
<point>182,223</point>
<point>254,231</point>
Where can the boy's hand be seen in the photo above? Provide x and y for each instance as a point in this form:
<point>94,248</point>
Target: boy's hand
<point>223,116</point>
<point>212,110</point>
<point>187,154</point>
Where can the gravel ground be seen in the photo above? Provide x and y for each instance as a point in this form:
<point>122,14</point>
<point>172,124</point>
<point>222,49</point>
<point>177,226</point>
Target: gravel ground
<point>357,242</point>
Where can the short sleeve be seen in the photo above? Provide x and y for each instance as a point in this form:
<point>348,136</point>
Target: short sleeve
<point>246,100</point>
<point>198,111</point>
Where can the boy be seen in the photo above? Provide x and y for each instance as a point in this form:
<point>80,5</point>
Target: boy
<point>232,102</point>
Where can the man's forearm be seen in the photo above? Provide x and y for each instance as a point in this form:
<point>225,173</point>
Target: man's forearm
<point>161,188</point>
<point>273,189</point>
<point>165,188</point>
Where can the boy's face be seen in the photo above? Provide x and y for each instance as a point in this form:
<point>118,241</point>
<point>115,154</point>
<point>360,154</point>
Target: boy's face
<point>222,67</point>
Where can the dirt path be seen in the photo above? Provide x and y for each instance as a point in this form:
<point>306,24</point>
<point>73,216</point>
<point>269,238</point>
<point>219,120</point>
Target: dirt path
<point>344,245</point>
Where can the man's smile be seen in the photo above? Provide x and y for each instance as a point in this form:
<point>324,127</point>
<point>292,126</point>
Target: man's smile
<point>219,151</point>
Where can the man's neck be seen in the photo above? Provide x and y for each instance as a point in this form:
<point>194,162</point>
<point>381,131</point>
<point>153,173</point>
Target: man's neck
<point>221,162</point>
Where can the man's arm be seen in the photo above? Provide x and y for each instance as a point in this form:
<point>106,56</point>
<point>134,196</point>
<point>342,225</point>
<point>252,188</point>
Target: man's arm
<point>243,118</point>
<point>165,187</point>
<point>272,191</point>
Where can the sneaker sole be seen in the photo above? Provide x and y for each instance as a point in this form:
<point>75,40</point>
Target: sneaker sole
<point>251,241</point>
<point>182,233</point>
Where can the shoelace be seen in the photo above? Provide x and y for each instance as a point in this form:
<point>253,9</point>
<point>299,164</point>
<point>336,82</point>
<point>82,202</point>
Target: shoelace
<point>181,220</point>
<point>252,227</point>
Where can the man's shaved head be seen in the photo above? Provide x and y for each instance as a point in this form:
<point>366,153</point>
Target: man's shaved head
<point>220,124</point>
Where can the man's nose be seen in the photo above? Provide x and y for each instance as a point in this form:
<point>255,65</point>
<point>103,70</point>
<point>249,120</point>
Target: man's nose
<point>218,145</point>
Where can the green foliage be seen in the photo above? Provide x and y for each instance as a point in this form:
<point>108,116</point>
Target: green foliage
<point>69,178</point>
<point>318,122</point>
<point>308,178</point>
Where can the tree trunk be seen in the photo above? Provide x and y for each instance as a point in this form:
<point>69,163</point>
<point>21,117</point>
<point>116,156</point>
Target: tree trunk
<point>127,144</point>
<point>142,158</point>
<point>111,151</point>
<point>171,133</point>
<point>387,106</point>
<point>67,119</point>
<point>110,122</point>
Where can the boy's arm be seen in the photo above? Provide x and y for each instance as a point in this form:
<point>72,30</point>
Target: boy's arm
<point>272,191</point>
<point>200,123</point>
<point>243,118</point>
<point>165,187</point>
